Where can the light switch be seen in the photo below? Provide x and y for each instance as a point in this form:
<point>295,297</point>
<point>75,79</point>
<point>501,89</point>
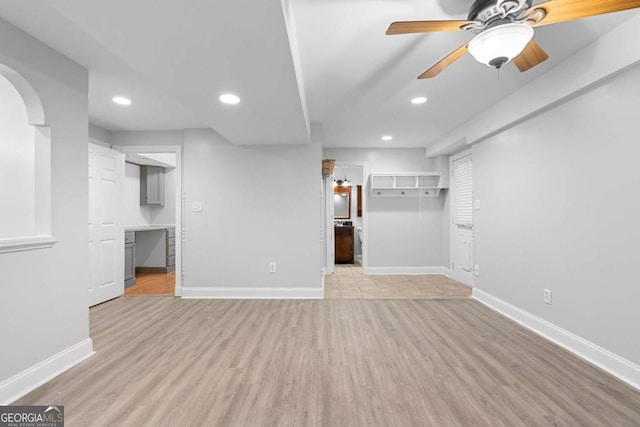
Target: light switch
<point>196,207</point>
<point>476,204</point>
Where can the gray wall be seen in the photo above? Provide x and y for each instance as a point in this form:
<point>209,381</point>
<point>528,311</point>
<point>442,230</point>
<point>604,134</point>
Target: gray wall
<point>260,204</point>
<point>559,210</point>
<point>100,135</point>
<point>43,294</point>
<point>401,232</point>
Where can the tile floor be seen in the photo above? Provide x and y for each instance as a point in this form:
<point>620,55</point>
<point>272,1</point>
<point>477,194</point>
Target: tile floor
<point>348,282</point>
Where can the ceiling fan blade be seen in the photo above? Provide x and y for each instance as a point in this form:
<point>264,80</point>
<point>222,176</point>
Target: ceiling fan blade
<point>444,62</point>
<point>407,27</point>
<point>567,10</point>
<point>531,56</point>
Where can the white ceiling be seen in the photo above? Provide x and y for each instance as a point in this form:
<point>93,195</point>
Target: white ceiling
<point>326,62</point>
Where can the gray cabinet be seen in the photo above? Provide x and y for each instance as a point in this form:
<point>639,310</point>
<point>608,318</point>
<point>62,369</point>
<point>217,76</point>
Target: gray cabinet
<point>151,186</point>
<point>129,259</point>
<point>171,249</point>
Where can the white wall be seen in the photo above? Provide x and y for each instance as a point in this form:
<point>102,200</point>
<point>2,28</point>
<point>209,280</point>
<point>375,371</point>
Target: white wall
<point>559,210</point>
<point>133,213</point>
<point>402,233</point>
<point>260,205</point>
<point>160,137</point>
<point>43,294</point>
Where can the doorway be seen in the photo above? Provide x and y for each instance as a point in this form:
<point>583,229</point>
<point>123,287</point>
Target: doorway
<point>462,234</point>
<point>345,207</point>
<point>157,261</point>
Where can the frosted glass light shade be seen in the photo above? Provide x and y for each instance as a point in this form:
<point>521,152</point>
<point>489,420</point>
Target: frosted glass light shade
<point>504,41</point>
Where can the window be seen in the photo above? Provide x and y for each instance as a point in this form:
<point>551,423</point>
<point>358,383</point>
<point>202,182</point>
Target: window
<point>463,175</point>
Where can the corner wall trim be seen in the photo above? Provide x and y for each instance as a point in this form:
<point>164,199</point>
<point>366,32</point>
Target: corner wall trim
<point>252,293</point>
<point>31,378</point>
<point>617,366</point>
<point>390,271</point>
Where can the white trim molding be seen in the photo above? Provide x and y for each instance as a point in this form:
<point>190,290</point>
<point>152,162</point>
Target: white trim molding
<point>35,376</point>
<point>252,293</point>
<point>617,366</point>
<point>392,271</point>
<point>26,243</point>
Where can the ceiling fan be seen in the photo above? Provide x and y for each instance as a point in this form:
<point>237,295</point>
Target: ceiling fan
<point>504,29</point>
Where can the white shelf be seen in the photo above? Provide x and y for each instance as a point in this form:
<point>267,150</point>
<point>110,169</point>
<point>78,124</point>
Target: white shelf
<point>406,184</point>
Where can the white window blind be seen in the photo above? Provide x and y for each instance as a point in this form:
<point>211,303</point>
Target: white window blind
<point>463,175</point>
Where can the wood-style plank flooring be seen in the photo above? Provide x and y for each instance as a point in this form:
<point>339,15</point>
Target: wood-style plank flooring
<point>176,362</point>
<point>348,282</point>
<point>153,284</point>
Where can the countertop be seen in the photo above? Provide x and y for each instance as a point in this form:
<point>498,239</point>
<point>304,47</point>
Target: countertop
<point>151,227</point>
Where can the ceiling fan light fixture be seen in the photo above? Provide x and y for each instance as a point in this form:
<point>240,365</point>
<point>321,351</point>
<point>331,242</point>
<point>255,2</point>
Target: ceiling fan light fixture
<point>498,45</point>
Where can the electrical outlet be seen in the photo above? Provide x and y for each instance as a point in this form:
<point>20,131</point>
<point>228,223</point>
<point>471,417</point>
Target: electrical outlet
<point>476,270</point>
<point>547,296</point>
<point>272,267</point>
<point>196,207</point>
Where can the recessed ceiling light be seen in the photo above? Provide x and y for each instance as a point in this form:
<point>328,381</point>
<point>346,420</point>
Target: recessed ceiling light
<point>229,98</point>
<point>419,100</point>
<point>387,138</point>
<point>121,100</point>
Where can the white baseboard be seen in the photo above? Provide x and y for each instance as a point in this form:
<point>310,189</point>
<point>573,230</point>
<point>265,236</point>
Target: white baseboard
<point>252,293</point>
<point>390,271</point>
<point>617,366</point>
<point>35,376</point>
<point>447,272</point>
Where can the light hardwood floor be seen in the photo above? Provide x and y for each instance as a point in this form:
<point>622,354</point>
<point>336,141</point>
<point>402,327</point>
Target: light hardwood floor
<point>153,284</point>
<point>175,362</point>
<point>348,282</point>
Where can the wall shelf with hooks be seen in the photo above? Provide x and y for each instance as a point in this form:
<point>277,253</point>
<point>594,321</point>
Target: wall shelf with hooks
<point>406,184</point>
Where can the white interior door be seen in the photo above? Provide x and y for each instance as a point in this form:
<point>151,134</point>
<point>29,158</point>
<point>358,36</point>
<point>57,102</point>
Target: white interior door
<point>106,231</point>
<point>462,228</point>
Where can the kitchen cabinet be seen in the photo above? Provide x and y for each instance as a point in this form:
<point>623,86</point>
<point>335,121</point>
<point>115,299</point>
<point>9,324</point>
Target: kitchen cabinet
<point>151,186</point>
<point>129,259</point>
<point>343,238</point>
<point>171,249</point>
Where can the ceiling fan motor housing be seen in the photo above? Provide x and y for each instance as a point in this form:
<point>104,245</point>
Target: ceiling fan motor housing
<point>487,11</point>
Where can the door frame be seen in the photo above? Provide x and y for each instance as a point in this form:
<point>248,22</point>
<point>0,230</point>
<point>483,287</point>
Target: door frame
<point>365,212</point>
<point>179,195</point>
<point>452,212</point>
<point>328,259</point>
